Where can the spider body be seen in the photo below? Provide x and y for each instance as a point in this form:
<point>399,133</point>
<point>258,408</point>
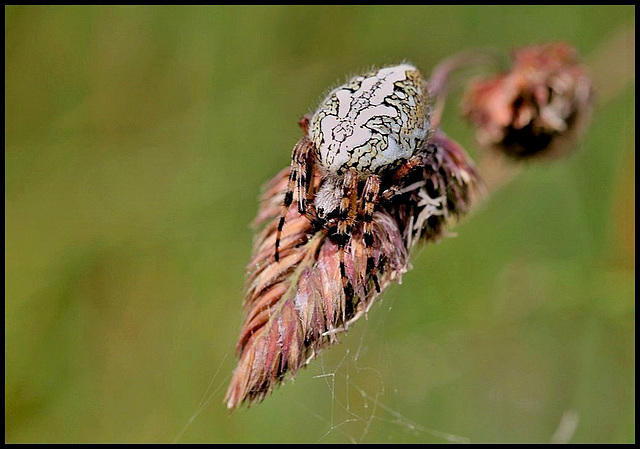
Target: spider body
<point>372,122</point>
<point>367,133</point>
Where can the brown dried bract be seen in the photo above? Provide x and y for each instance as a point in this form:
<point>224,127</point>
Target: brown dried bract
<point>297,306</point>
<point>537,108</point>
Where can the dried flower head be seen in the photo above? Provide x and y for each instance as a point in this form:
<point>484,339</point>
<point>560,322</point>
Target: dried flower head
<point>537,108</point>
<point>297,306</point>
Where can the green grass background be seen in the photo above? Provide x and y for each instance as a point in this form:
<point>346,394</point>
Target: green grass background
<point>136,142</point>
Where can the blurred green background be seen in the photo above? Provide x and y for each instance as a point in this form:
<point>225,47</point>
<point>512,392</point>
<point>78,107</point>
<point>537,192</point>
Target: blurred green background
<point>136,142</point>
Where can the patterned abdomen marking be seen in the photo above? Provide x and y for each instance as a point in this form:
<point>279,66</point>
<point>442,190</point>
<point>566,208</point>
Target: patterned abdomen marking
<point>372,122</point>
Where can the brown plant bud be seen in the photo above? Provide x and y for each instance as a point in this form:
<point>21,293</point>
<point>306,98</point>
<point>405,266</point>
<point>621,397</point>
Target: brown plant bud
<point>297,306</point>
<point>537,108</point>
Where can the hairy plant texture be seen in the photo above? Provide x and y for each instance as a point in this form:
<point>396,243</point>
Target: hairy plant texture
<point>536,108</point>
<point>297,306</point>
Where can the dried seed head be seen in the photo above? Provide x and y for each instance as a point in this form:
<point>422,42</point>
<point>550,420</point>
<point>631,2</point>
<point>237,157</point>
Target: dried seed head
<point>447,179</point>
<point>297,306</point>
<point>537,108</point>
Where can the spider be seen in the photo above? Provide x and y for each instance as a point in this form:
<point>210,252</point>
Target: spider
<point>367,133</point>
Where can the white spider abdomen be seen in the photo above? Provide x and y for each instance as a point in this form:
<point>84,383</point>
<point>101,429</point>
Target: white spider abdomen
<point>372,122</point>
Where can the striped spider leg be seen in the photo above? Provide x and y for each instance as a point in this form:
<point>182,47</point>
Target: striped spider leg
<point>300,182</point>
<point>369,201</point>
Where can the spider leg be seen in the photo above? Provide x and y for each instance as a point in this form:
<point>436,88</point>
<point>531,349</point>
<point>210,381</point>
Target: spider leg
<point>410,164</point>
<point>370,198</point>
<point>402,171</point>
<point>305,181</point>
<point>299,179</point>
<point>304,123</point>
<point>347,214</point>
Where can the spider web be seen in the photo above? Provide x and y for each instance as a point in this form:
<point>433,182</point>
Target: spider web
<point>359,395</point>
<point>363,401</point>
